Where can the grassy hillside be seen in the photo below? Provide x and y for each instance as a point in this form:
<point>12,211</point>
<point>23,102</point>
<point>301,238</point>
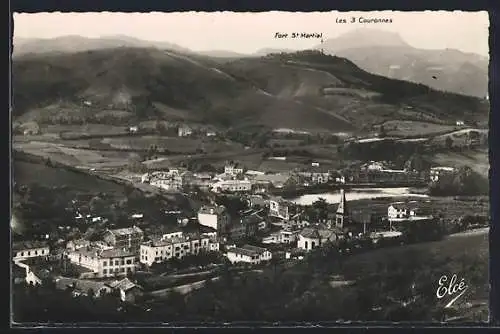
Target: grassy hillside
<point>305,90</point>
<point>337,85</point>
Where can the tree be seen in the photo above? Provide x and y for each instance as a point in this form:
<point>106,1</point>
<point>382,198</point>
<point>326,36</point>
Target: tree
<point>382,132</point>
<point>449,142</point>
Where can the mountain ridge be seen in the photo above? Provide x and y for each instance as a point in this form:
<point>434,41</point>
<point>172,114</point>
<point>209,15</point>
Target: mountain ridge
<point>305,90</point>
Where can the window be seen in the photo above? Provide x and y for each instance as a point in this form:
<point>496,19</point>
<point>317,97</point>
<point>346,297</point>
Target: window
<point>105,271</point>
<point>22,253</point>
<point>129,269</point>
<point>122,262</point>
<point>116,270</point>
<point>36,252</point>
<point>129,261</point>
<point>43,251</point>
<point>305,244</point>
<point>105,263</point>
<point>29,253</point>
<point>122,270</point>
<point>312,244</point>
<point>117,262</point>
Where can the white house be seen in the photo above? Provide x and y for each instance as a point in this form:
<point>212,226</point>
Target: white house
<point>29,249</point>
<point>460,123</point>
<point>312,237</point>
<point>248,254</point>
<point>105,263</point>
<point>215,217</point>
<point>232,186</point>
<point>156,251</point>
<point>401,210</point>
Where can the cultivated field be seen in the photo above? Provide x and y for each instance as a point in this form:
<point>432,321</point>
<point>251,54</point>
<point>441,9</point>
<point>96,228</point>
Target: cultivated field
<point>412,128</point>
<point>478,160</point>
<point>34,173</point>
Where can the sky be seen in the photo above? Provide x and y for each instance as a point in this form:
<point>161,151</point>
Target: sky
<point>249,32</point>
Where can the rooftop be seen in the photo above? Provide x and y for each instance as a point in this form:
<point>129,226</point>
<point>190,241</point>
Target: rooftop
<point>109,253</point>
<point>243,251</point>
<point>126,231</point>
<point>220,209</point>
<point>82,285</point>
<point>125,285</point>
<point>254,249</point>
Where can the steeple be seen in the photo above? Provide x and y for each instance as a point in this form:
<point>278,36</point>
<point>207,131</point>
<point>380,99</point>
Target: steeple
<point>342,215</point>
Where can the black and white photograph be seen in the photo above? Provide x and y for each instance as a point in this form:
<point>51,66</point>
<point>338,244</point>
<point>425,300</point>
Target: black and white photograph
<point>249,167</point>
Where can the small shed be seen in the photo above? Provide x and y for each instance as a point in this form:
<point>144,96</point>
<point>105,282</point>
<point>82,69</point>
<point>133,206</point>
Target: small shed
<point>129,291</point>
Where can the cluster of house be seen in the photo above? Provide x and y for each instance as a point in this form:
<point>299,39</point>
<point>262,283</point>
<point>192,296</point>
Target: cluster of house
<point>123,251</point>
<point>182,130</point>
<point>236,179</point>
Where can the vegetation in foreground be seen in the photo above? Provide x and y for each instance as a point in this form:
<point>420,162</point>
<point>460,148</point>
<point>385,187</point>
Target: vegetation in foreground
<point>394,284</point>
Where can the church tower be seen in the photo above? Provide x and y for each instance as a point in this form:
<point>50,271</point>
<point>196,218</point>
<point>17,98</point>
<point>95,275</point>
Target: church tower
<point>342,215</point>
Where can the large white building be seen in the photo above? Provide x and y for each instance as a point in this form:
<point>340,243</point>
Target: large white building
<point>232,186</point>
<point>175,246</point>
<point>29,249</point>
<point>104,263</point>
<point>248,254</point>
<point>215,217</point>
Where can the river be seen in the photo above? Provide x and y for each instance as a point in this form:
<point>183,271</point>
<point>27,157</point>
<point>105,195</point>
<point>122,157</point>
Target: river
<point>333,197</point>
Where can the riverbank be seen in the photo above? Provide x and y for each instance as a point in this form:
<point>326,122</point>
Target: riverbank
<point>323,188</point>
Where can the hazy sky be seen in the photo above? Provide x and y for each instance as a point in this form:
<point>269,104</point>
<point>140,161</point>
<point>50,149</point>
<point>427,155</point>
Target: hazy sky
<point>248,32</point>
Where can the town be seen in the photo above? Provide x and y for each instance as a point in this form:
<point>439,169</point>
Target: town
<point>256,229</point>
<point>167,182</point>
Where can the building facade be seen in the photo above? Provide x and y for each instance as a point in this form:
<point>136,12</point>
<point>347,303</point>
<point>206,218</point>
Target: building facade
<point>215,217</point>
<point>312,237</point>
<point>279,208</point>
<point>29,249</point>
<point>105,263</point>
<point>232,186</point>
<point>131,237</point>
<point>157,251</point>
<point>248,254</point>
